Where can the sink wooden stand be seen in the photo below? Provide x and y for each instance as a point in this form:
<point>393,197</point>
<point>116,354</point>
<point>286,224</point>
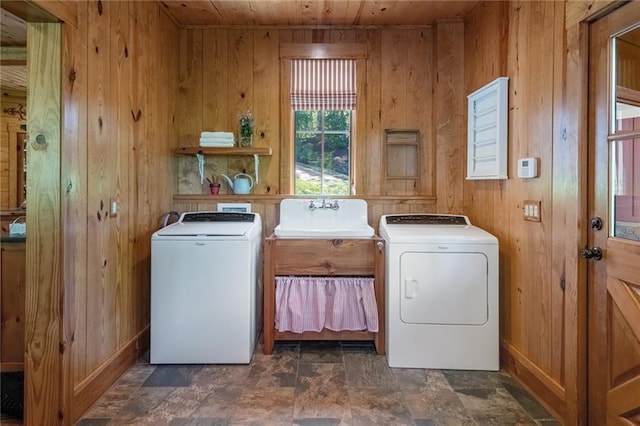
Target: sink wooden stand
<point>322,257</point>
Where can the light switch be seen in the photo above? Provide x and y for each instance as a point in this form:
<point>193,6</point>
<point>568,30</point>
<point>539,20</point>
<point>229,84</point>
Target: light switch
<point>532,210</point>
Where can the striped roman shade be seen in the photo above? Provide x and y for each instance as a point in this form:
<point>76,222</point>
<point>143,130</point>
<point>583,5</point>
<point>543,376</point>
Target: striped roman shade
<point>323,84</point>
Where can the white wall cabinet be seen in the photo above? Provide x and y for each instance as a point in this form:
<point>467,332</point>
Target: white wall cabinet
<point>487,131</point>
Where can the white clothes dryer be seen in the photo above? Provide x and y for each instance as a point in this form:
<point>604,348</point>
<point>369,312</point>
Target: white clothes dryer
<point>206,289</point>
<point>441,293</point>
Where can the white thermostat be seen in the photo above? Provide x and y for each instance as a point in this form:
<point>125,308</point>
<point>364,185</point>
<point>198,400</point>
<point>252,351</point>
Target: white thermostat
<point>528,167</point>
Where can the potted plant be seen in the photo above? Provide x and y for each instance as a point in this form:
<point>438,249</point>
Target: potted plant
<point>246,128</point>
<point>214,185</point>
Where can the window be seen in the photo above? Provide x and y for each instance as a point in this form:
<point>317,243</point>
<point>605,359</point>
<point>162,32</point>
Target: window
<point>624,142</point>
<point>323,100</point>
<point>322,147</point>
<point>321,84</point>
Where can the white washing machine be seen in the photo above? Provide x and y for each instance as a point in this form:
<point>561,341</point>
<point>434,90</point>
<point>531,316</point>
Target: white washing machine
<point>441,293</point>
<point>206,288</point>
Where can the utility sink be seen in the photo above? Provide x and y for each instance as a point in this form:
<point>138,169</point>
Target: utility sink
<point>323,218</point>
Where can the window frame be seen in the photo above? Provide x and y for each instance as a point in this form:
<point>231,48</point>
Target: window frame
<point>323,134</point>
<point>291,51</point>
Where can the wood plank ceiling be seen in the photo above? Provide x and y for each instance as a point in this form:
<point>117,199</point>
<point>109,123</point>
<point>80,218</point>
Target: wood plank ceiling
<point>313,13</point>
<point>13,39</point>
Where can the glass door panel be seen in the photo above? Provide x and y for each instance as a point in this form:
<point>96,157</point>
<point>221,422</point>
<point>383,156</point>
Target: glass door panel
<point>624,159</point>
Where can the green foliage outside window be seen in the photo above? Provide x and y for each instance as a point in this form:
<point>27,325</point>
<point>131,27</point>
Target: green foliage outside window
<point>322,152</point>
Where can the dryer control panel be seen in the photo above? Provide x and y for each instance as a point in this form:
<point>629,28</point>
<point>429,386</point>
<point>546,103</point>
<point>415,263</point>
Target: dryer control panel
<point>427,219</point>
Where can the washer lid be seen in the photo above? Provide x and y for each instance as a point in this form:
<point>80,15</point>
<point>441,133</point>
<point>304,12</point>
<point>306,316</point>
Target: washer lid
<point>210,224</point>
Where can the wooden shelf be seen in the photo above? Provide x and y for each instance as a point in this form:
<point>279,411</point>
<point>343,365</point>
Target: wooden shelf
<point>192,150</point>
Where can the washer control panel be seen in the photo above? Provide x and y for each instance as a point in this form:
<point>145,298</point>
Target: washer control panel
<point>218,217</point>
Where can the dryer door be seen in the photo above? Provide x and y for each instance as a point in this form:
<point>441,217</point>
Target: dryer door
<point>443,288</point>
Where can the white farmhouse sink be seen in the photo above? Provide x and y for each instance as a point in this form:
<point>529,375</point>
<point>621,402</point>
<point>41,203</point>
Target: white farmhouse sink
<point>323,218</point>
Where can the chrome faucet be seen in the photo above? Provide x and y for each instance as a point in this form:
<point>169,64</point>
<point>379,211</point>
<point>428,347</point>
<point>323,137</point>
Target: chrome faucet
<point>332,205</point>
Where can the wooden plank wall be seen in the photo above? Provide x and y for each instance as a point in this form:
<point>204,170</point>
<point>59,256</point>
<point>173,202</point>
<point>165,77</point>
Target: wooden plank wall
<point>121,60</point>
<point>224,71</point>
<point>118,65</point>
<point>508,39</point>
<point>542,325</point>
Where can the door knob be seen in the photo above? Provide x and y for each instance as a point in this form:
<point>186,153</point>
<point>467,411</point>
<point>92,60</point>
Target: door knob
<point>596,223</point>
<point>593,252</point>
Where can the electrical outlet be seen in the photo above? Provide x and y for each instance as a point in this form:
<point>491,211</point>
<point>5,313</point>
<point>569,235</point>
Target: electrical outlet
<point>532,210</point>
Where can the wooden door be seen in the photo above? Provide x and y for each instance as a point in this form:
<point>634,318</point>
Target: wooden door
<point>614,198</point>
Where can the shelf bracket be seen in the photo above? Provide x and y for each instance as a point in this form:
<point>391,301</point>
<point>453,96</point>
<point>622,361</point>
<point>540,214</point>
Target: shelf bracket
<point>200,158</point>
<point>256,164</point>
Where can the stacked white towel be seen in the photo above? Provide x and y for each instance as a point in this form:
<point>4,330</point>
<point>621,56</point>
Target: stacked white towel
<point>222,139</point>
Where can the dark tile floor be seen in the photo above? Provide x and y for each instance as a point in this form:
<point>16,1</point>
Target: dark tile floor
<point>313,383</point>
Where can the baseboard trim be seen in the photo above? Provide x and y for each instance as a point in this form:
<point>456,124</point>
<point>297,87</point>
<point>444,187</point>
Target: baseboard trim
<point>100,380</point>
<point>547,390</point>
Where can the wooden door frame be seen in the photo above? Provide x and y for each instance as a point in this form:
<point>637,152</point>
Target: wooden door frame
<point>574,127</point>
<point>572,153</point>
<point>598,294</point>
<point>47,389</point>
<point>44,293</point>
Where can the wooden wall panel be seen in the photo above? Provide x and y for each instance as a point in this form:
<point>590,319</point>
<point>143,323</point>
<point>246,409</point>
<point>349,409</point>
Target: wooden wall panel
<point>247,74</point>
<point>448,117</point>
<point>241,91</point>
<point>531,134</point>
<point>267,132</point>
<point>118,62</point>
<point>191,89</point>
<point>101,132</point>
<point>486,51</point>
<point>393,91</point>
<point>420,83</point>
<point>241,63</point>
<point>489,48</point>
<point>121,70</point>
<point>215,77</point>
<point>369,163</point>
<point>150,144</point>
<point>168,37</point>
<point>74,203</point>
<point>535,257</point>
